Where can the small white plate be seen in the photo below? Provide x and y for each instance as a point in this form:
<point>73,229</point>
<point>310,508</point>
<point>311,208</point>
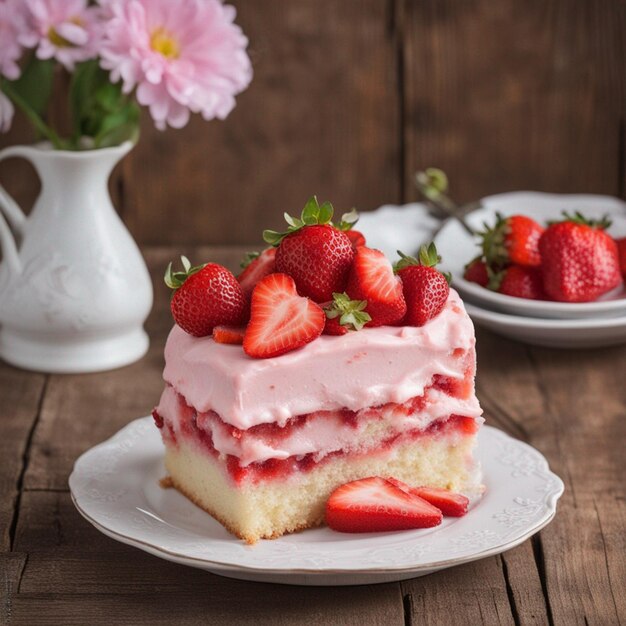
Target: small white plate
<point>115,487</point>
<point>552,333</point>
<point>457,248</point>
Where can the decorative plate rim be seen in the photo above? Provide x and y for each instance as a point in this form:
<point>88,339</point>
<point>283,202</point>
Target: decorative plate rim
<point>522,517</point>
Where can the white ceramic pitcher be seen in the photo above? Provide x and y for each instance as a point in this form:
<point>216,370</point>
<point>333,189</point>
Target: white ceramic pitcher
<point>74,289</point>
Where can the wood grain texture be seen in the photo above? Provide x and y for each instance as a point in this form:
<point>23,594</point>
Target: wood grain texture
<point>570,405</point>
<point>320,117</point>
<point>516,95</point>
<point>20,395</point>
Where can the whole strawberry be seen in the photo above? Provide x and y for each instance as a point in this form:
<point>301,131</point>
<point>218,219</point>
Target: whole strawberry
<point>513,239</point>
<point>580,260</point>
<point>372,280</point>
<point>476,272</point>
<point>519,281</point>
<point>425,288</point>
<point>205,296</point>
<point>256,266</point>
<point>313,252</point>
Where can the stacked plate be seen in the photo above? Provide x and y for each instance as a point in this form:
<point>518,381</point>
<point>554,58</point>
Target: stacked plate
<point>554,324</point>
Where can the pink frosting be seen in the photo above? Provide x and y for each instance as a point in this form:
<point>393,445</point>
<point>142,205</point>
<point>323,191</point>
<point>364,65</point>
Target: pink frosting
<point>357,370</point>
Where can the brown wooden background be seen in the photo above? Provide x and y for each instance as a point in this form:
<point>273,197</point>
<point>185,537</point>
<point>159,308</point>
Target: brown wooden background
<point>350,97</point>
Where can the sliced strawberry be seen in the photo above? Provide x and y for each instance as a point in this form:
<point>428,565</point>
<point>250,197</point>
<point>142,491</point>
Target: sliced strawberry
<point>375,504</point>
<point>228,334</point>
<point>356,238</point>
<point>256,267</point>
<point>372,279</point>
<point>280,319</point>
<point>449,503</point>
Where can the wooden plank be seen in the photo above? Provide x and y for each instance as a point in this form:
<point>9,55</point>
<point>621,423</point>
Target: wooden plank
<point>20,394</point>
<point>71,564</point>
<point>320,117</point>
<point>515,95</point>
<point>570,405</point>
<point>82,410</point>
<point>239,603</point>
<point>474,593</point>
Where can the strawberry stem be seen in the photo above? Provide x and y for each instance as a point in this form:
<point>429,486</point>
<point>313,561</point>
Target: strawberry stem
<point>352,312</point>
<point>175,279</point>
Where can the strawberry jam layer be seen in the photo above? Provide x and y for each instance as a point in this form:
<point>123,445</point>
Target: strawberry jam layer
<point>280,469</point>
<point>311,437</point>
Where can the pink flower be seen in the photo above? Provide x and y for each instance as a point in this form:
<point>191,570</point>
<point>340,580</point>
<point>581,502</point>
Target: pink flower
<point>12,26</point>
<point>184,56</point>
<point>66,30</point>
<point>6,113</point>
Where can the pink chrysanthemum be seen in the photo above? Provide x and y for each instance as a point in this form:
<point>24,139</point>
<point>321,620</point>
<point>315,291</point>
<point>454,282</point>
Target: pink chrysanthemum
<point>66,30</point>
<point>12,26</point>
<point>185,56</point>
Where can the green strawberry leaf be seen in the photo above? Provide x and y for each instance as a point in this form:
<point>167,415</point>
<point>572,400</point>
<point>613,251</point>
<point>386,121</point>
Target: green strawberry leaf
<point>348,220</point>
<point>312,214</point>
<point>427,256</point>
<point>351,313</point>
<point>176,279</point>
<point>248,258</point>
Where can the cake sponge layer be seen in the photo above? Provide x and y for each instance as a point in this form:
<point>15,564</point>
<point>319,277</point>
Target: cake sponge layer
<point>266,510</point>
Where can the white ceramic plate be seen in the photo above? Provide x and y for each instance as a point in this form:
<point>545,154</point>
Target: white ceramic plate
<point>115,487</point>
<point>572,333</point>
<point>457,248</point>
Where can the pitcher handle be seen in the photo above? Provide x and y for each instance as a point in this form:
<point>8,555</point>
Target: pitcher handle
<point>14,215</point>
<point>11,209</point>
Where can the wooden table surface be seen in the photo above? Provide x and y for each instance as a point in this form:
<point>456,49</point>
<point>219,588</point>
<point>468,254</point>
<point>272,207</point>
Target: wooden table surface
<point>57,569</point>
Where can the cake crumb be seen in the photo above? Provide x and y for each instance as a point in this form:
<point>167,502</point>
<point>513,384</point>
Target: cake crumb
<point>166,482</point>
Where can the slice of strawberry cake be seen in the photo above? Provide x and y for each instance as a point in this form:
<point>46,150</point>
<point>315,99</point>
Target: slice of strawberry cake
<point>347,371</point>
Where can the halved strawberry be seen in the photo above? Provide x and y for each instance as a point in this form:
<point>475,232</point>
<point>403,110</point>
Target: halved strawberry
<point>280,319</point>
<point>228,334</point>
<point>449,503</point>
<point>372,279</point>
<point>374,504</point>
<point>255,267</point>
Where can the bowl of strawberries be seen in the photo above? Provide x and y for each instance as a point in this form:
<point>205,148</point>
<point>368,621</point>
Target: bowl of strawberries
<point>539,255</point>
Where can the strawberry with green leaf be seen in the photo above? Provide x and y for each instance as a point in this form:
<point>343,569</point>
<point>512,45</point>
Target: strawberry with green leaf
<point>425,288</point>
<point>205,296</point>
<point>580,261</point>
<point>513,239</point>
<point>316,254</point>
<point>344,315</point>
<point>255,267</point>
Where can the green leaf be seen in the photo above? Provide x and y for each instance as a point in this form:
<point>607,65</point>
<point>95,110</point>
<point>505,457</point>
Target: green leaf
<point>248,258</point>
<point>348,220</point>
<point>272,237</point>
<point>352,312</point>
<point>325,213</point>
<point>34,86</point>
